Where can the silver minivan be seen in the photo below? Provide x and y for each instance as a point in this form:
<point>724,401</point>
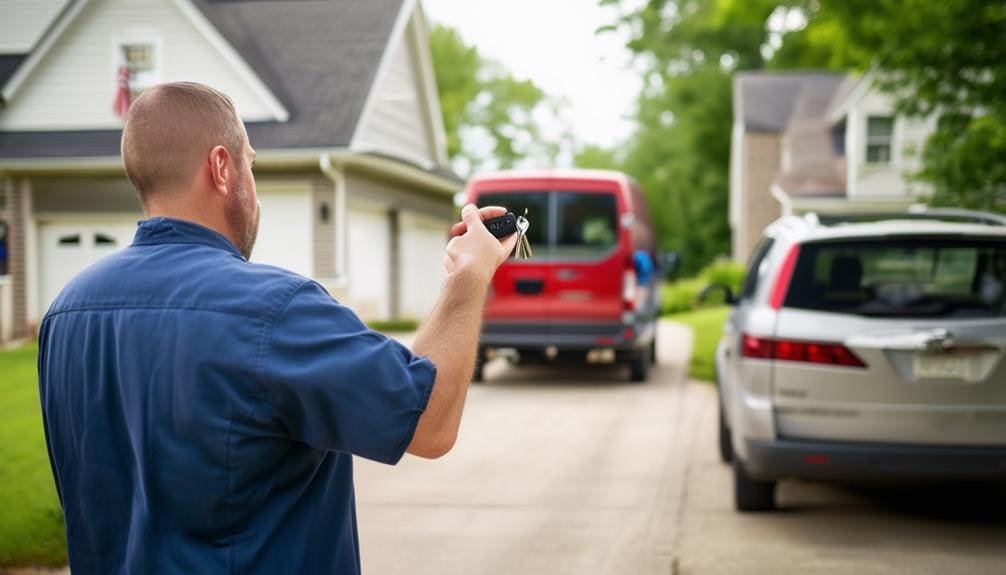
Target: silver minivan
<point>867,348</point>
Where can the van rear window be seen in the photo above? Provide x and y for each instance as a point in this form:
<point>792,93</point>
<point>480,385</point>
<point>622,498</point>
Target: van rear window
<point>902,277</point>
<point>565,225</point>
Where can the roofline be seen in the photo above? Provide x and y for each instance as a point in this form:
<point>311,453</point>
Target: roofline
<point>864,84</point>
<point>190,11</point>
<point>217,40</point>
<point>38,52</point>
<point>397,34</point>
<point>432,92</point>
<point>306,158</point>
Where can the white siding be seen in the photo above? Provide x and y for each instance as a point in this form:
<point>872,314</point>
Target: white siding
<point>74,86</point>
<point>285,234</point>
<point>884,180</point>
<point>398,122</point>
<point>22,23</point>
<point>423,241</point>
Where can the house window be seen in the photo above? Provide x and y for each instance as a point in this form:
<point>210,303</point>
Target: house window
<point>879,135</point>
<point>140,58</point>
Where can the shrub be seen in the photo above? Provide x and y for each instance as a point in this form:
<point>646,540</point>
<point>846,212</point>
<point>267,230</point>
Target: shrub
<point>682,295</point>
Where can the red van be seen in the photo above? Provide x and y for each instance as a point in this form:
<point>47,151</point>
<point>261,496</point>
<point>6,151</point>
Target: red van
<point>591,283</point>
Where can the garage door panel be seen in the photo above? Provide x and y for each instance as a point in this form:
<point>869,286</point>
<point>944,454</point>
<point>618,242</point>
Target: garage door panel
<point>285,231</point>
<point>370,262</point>
<point>67,248</point>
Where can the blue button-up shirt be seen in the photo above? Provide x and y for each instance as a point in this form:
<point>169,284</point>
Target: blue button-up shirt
<point>201,411</point>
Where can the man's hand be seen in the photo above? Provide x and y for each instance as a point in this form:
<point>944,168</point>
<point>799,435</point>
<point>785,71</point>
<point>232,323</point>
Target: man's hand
<point>473,247</point>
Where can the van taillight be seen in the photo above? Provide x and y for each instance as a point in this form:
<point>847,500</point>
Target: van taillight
<point>800,351</point>
<point>781,286</point>
<point>629,289</point>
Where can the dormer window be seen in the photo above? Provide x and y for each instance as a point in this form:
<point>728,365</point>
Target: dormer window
<point>879,137</point>
<point>141,59</point>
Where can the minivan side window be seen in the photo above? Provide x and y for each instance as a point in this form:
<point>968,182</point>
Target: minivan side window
<point>755,271</point>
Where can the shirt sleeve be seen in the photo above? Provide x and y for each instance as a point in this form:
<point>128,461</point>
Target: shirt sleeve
<point>337,385</point>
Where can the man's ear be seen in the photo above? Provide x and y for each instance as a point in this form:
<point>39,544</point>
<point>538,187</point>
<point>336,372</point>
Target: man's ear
<point>221,166</point>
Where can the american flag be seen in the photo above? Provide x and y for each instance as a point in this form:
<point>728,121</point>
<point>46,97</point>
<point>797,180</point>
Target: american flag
<point>121,104</point>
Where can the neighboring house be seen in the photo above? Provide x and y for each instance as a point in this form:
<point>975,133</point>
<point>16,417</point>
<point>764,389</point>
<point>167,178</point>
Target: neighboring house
<point>817,141</point>
<point>340,103</point>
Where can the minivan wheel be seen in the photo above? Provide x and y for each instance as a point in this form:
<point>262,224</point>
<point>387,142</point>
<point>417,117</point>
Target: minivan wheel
<point>480,362</point>
<point>750,494</point>
<point>639,365</point>
<point>653,350</point>
<point>726,438</point>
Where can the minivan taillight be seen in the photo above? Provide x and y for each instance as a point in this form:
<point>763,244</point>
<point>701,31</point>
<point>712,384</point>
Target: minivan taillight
<point>799,351</point>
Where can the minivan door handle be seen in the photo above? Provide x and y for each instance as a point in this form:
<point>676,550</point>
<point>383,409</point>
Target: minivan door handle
<point>529,286</point>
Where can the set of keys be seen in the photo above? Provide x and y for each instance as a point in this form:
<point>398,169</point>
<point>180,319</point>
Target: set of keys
<point>507,224</point>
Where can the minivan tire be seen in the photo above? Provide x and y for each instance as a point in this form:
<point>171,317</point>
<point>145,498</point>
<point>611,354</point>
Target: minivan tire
<point>639,365</point>
<point>750,494</point>
<point>726,438</point>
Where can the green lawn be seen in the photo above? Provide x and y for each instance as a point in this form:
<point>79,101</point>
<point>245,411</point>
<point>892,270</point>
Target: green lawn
<point>31,521</point>
<point>707,324</point>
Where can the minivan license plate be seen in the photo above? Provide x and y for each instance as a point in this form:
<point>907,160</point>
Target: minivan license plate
<point>942,366</point>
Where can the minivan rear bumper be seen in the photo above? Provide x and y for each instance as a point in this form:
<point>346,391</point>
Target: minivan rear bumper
<point>780,459</point>
<point>571,336</point>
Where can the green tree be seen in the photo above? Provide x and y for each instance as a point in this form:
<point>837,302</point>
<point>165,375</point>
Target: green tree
<point>492,119</point>
<point>681,149</point>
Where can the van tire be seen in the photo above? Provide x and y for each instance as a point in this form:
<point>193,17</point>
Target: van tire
<point>653,350</point>
<point>639,366</point>
<point>480,361</point>
<point>751,494</point>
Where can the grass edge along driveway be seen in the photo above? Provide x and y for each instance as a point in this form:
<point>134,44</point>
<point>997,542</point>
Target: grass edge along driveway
<point>707,327</point>
<point>31,520</point>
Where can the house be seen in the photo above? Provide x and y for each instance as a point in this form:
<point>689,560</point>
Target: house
<point>817,141</point>
<point>340,102</point>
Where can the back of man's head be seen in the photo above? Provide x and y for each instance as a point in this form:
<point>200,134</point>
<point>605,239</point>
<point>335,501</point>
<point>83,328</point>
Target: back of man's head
<point>169,132</point>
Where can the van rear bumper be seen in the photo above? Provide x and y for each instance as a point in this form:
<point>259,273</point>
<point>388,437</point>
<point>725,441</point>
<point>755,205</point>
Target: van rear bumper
<point>780,459</point>
<point>567,336</point>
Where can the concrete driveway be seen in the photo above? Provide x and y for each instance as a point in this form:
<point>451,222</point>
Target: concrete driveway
<point>574,470</point>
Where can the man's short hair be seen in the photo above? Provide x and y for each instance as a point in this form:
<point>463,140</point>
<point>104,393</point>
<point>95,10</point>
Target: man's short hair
<point>170,130</point>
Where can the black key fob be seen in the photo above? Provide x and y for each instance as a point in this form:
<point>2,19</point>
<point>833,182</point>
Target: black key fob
<point>502,226</point>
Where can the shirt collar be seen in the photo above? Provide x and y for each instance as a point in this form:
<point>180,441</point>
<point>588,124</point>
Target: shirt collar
<point>163,230</point>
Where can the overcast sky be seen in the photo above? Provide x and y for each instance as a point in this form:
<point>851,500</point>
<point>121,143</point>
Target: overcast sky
<point>552,43</point>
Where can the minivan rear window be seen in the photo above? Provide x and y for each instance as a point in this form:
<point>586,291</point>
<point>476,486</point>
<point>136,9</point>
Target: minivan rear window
<point>565,225</point>
<point>902,277</point>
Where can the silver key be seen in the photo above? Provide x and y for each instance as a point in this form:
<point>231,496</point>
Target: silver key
<point>523,250</point>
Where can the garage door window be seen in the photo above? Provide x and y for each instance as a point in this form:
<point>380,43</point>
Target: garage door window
<point>70,240</point>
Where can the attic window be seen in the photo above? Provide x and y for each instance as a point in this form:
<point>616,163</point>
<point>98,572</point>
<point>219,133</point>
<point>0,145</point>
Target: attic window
<point>879,135</point>
<point>140,58</point>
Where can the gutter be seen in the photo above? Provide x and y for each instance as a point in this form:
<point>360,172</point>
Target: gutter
<point>783,198</point>
<point>337,175</point>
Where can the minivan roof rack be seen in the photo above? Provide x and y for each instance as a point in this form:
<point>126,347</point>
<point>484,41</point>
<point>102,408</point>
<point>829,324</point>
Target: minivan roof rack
<point>917,213</point>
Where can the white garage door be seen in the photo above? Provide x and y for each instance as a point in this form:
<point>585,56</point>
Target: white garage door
<point>66,248</point>
<point>369,262</point>
<point>284,234</point>
<point>423,242</point>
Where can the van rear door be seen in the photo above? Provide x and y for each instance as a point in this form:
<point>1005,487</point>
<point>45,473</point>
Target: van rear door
<point>585,278</point>
<point>519,287</point>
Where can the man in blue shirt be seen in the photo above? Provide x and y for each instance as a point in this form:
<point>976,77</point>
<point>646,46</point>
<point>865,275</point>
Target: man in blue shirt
<point>201,411</point>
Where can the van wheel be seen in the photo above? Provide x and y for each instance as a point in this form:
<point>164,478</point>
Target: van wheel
<point>726,439</point>
<point>750,494</point>
<point>480,362</point>
<point>653,350</point>
<point>639,366</point>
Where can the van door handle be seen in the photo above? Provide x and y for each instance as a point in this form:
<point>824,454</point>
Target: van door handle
<point>529,286</point>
